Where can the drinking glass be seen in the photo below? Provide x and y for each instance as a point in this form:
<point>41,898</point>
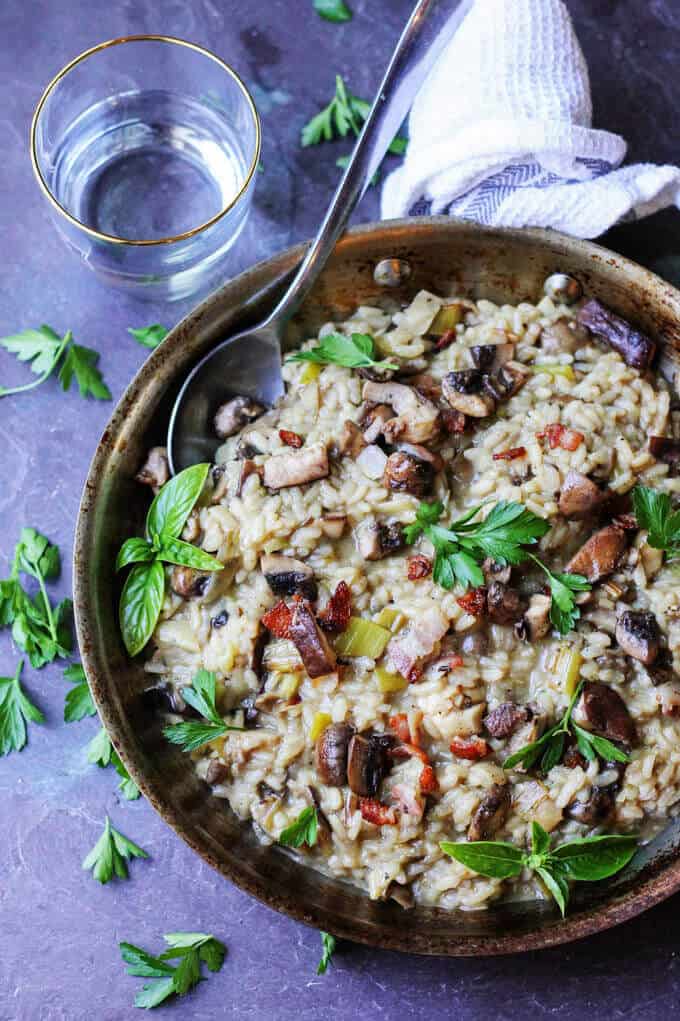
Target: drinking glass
<point>147,149</point>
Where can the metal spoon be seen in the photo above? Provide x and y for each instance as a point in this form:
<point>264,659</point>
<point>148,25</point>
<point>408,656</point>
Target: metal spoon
<point>249,363</point>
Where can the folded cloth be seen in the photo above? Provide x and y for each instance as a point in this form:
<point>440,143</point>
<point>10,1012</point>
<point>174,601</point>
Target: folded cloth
<point>501,132</point>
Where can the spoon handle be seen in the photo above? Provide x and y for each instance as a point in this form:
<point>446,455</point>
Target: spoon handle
<point>430,27</point>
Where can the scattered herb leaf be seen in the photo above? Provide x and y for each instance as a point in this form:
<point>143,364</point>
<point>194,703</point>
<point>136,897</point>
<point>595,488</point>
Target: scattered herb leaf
<point>43,349</point>
<point>303,831</point>
<point>109,856</point>
<point>200,695</point>
<point>328,945</point>
<point>16,709</point>
<point>100,752</point>
<point>149,336</point>
<point>191,948</point>
<point>353,352</point>
<point>333,10</point>
<point>563,609</point>
<point>78,703</point>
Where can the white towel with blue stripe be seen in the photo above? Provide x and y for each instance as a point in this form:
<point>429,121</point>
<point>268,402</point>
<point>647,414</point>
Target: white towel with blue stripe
<point>501,132</point>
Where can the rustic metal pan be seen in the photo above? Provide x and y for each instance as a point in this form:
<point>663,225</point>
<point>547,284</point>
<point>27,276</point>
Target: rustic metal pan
<point>445,257</point>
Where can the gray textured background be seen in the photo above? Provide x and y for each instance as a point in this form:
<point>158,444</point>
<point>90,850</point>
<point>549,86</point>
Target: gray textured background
<point>58,929</point>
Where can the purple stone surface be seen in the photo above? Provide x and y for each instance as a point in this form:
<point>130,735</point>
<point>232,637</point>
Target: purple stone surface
<point>59,930</point>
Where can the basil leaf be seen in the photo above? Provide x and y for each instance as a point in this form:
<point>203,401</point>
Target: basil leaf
<point>134,551</point>
<point>604,748</point>
<point>173,504</point>
<point>333,10</point>
<point>556,884</point>
<point>140,604</point>
<point>174,551</point>
<point>540,840</point>
<point>553,753</point>
<point>528,754</point>
<point>594,858</point>
<point>492,858</point>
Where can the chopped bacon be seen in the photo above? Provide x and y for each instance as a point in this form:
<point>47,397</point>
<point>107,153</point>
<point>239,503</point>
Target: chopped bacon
<point>291,439</point>
<point>558,435</point>
<point>474,601</point>
<point>428,780</point>
<point>446,340</point>
<point>278,620</point>
<point>511,454</point>
<point>400,725</point>
<point>419,566</point>
<point>377,813</point>
<point>408,750</point>
<point>472,748</point>
<point>334,618</point>
<point>453,421</point>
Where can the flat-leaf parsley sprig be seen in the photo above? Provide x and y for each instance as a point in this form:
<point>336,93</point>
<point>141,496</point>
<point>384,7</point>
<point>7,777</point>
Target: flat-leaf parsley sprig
<point>303,830</point>
<point>333,10</point>
<point>328,945</point>
<point>78,703</point>
<point>654,511</point>
<point>100,752</point>
<point>144,589</point>
<point>191,948</point>
<point>109,856</point>
<point>149,336</point>
<point>200,695</point>
<point>16,709</point>
<point>43,350</point>
<point>353,352</point>
<point>587,860</point>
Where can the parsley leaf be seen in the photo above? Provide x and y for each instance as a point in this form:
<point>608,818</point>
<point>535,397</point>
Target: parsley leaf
<point>303,831</point>
<point>78,703</point>
<point>654,512</point>
<point>354,352</point>
<point>333,10</point>
<point>563,609</point>
<point>100,752</point>
<point>192,949</point>
<point>44,350</point>
<point>109,856</point>
<point>328,945</point>
<point>149,336</point>
<point>200,695</point>
<point>15,710</point>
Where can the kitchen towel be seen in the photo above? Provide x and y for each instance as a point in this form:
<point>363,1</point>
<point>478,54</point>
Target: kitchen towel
<point>501,132</point>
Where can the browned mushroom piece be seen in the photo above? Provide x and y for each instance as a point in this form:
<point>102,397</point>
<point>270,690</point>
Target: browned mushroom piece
<point>493,571</point>
<point>666,449</point>
<point>580,496</point>
<point>155,471</point>
<point>286,576</point>
<point>491,813</point>
<point>375,540</point>
<point>423,454</point>
<point>234,414</point>
<point>504,605</point>
<point>488,357</point>
<point>260,642</point>
<point>563,336</point>
<point>296,467</point>
<point>638,634</point>
<point>601,554</point>
<point>333,525</point>
<point>368,763</point>
<point>351,441</point>
<point>668,698</point>
<point>535,624</point>
<point>597,809</point>
<point>464,391</point>
<point>373,419</point>
<point>217,772</point>
<point>405,473</point>
<point>248,468</point>
<point>188,582</point>
<point>602,710</point>
<point>416,419</point>
<point>636,348</point>
<point>506,381</point>
<point>505,719</point>
<point>317,655</point>
<point>403,895</point>
<point>330,757</point>
<point>661,671</point>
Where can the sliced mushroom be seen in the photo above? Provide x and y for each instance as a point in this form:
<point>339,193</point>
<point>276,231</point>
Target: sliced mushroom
<point>668,698</point>
<point>403,895</point>
<point>188,582</point>
<point>505,605</point>
<point>296,467</point>
<point>260,642</point>
<point>638,634</point>
<point>493,571</point>
<point>601,554</point>
<point>216,773</point>
<point>368,763</point>
<point>423,454</point>
<point>666,449</point>
<point>535,624</point>
<point>597,809</point>
<point>506,381</point>
<point>155,471</point>
<point>351,441</point>
<point>491,813</point>
<point>373,420</point>
<point>564,336</point>
<point>636,349</point>
<point>505,719</point>
<point>416,418</point>
<point>475,643</point>
<point>315,651</point>
<point>375,541</point>
<point>489,357</point>
<point>464,391</point>
<point>331,754</point>
<point>231,416</point>
<point>372,461</point>
<point>602,710</point>
<point>286,576</point>
<point>247,469</point>
<point>405,473</point>
<point>333,525</point>
<point>661,671</point>
<point>580,496</point>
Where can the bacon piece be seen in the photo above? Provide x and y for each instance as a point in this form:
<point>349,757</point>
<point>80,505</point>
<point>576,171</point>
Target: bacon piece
<point>419,566</point>
<point>408,651</point>
<point>278,620</point>
<point>559,435</point>
<point>334,618</point>
<point>453,421</point>
<point>374,812</point>
<point>428,781</point>
<point>400,725</point>
<point>511,454</point>
<point>409,800</point>
<point>290,438</point>
<point>474,601</point>
<point>472,748</point>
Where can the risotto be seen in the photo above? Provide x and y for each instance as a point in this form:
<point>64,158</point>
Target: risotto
<point>380,692</point>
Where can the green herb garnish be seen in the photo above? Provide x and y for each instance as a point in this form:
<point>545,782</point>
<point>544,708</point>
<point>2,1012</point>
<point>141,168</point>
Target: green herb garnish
<point>144,589</point>
<point>43,349</point>
<point>328,945</point>
<point>344,114</point>
<point>192,948</point>
<point>149,336</point>
<point>100,752</point>
<point>78,703</point>
<point>654,511</point>
<point>333,10</point>
<point>550,746</point>
<point>353,352</point>
<point>563,609</point>
<point>586,860</point>
<point>109,856</point>
<point>42,631</point>
<point>303,831</point>
<point>201,696</point>
<point>16,709</point>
